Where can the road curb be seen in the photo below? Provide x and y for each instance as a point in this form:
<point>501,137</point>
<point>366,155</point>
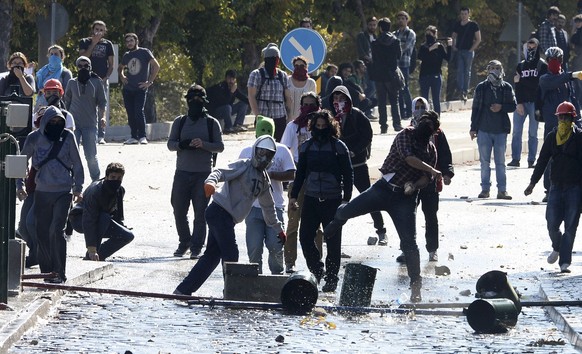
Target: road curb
<point>28,317</point>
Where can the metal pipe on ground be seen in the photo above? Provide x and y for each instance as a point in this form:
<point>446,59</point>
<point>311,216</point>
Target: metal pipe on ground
<point>467,304</point>
<point>211,302</point>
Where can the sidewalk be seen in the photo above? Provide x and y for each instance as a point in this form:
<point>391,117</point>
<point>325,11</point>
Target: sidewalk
<point>148,198</point>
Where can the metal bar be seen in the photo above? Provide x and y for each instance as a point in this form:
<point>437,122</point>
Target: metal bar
<point>4,211</point>
<point>39,276</point>
<point>467,304</point>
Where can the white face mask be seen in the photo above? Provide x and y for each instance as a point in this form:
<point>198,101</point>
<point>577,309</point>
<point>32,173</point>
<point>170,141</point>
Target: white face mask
<point>339,106</point>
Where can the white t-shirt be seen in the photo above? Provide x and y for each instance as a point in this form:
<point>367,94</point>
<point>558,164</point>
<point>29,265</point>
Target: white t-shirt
<point>293,139</point>
<point>296,93</point>
<point>282,161</point>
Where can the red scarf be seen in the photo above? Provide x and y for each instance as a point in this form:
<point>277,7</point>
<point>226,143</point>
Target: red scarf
<point>303,118</point>
<point>300,74</point>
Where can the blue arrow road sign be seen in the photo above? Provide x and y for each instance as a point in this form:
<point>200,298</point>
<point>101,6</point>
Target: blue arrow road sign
<point>305,42</point>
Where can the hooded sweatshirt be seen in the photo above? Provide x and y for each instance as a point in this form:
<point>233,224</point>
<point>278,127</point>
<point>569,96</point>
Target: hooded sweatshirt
<point>385,55</point>
<point>356,130</point>
<point>53,176</point>
<point>243,183</point>
<point>529,76</point>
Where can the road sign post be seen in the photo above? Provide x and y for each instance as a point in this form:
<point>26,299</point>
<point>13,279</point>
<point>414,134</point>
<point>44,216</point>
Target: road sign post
<point>305,42</point>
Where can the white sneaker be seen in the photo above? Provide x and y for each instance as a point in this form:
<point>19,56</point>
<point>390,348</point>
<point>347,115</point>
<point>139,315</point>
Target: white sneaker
<point>143,141</point>
<point>433,257</point>
<point>101,141</point>
<point>553,257</point>
<point>131,141</point>
<point>564,268</point>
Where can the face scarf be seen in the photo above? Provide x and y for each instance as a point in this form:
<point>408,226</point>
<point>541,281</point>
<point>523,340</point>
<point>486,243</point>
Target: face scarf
<point>341,109</point>
<point>303,118</point>
<point>495,76</point>
<point>195,109</point>
<point>53,131</point>
<point>84,75</point>
<point>564,131</point>
<point>416,116</point>
<point>300,74</point>
<point>53,100</point>
<point>554,66</point>
<point>55,63</point>
<point>321,135</point>
<point>530,54</point>
<point>271,64</point>
<point>111,186</point>
<point>430,40</point>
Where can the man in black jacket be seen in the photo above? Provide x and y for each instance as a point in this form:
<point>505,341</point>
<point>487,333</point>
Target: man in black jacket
<point>222,105</point>
<point>356,133</point>
<point>385,73</point>
<point>100,215</point>
<point>563,146</point>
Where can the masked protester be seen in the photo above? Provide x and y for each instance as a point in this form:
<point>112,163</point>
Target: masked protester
<point>100,215</point>
<point>85,98</point>
<point>356,133</point>
<point>60,176</point>
<point>299,83</point>
<point>555,87</point>
<point>280,168</point>
<point>492,103</point>
<point>245,181</point>
<point>325,172</point>
<point>196,137</point>
<point>526,79</point>
<point>562,146</point>
<point>16,81</point>
<point>53,70</point>
<point>432,53</point>
<point>296,133</point>
<point>403,175</point>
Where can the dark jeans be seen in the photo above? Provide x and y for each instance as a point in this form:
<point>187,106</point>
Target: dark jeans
<point>362,182</point>
<point>400,207</point>
<point>225,112</point>
<point>26,227</point>
<point>563,206</point>
<point>117,234</point>
<point>385,93</point>
<point>50,211</point>
<point>430,206</point>
<point>280,125</point>
<point>134,101</point>
<point>314,213</point>
<point>188,188</point>
<point>221,246</point>
<point>434,84</point>
<point>404,99</point>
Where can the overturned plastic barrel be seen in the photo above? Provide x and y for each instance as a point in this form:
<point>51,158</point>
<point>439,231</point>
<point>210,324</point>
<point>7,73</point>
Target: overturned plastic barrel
<point>358,285</point>
<point>496,285</point>
<point>299,294</point>
<point>492,315</point>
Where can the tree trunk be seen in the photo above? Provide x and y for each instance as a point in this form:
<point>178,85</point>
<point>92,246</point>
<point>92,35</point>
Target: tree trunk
<point>5,31</point>
<point>146,40</point>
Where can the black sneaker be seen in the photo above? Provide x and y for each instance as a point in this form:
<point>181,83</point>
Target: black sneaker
<point>398,128</point>
<point>330,286</point>
<point>513,163</point>
<point>401,258</point>
<point>531,164</point>
<point>415,291</point>
<point>194,254</point>
<point>383,130</point>
<point>180,251</point>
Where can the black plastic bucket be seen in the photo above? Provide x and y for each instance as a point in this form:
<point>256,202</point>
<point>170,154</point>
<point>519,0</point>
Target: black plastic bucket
<point>492,315</point>
<point>358,285</point>
<point>495,285</point>
<point>299,294</point>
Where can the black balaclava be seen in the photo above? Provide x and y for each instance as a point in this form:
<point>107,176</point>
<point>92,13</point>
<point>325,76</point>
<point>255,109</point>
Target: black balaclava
<point>84,75</point>
<point>271,64</point>
<point>196,108</point>
<point>53,131</point>
<point>321,135</point>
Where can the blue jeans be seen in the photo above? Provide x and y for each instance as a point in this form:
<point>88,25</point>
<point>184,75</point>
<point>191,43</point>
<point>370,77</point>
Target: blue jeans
<point>117,234</point>
<point>434,84</point>
<point>88,136</point>
<point>134,101</point>
<point>27,225</point>
<point>563,206</point>
<point>100,130</point>
<point>464,62</point>
<point>188,188</point>
<point>225,112</point>
<point>404,99</point>
<point>385,93</point>
<point>532,136</point>
<point>258,232</point>
<point>51,210</point>
<point>221,246</point>
<point>400,207</point>
<point>497,143</point>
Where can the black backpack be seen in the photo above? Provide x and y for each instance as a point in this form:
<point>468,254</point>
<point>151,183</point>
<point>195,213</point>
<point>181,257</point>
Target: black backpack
<point>263,72</point>
<point>210,125</point>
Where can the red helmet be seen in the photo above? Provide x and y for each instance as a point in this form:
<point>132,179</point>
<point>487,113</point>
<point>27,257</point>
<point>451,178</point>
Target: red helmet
<point>566,108</point>
<point>54,84</point>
